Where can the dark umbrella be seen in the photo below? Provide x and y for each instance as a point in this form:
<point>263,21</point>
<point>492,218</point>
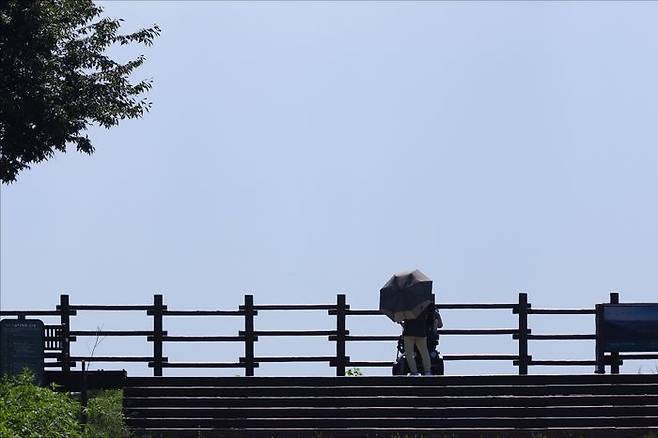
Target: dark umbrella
<point>405,295</point>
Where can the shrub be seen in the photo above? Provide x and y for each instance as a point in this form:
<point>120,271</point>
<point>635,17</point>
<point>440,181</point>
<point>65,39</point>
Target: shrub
<point>105,416</point>
<point>29,411</point>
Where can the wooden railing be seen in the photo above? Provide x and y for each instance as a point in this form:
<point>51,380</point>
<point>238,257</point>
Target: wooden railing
<point>59,337</point>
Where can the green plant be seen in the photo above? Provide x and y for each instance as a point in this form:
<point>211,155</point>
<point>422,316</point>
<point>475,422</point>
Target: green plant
<point>354,372</point>
<point>29,411</point>
<point>105,416</point>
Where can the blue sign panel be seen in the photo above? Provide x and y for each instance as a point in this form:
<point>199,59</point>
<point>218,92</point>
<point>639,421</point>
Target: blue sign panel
<point>629,327</point>
<point>21,346</point>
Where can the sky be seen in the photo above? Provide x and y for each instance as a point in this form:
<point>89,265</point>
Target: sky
<point>299,150</point>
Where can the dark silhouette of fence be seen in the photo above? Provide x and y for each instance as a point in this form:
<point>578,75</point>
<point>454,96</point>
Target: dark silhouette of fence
<point>59,337</point>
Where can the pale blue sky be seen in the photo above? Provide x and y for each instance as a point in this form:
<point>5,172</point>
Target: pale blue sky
<point>297,150</point>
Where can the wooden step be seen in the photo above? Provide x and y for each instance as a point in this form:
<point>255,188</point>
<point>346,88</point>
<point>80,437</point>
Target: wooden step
<point>410,401</point>
<point>571,379</point>
<point>598,432</point>
<point>392,391</point>
<point>396,422</point>
<point>397,411</point>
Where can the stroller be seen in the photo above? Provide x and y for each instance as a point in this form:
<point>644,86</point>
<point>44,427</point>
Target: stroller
<point>401,367</point>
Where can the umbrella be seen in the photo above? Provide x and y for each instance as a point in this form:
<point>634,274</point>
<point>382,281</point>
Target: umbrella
<point>405,295</point>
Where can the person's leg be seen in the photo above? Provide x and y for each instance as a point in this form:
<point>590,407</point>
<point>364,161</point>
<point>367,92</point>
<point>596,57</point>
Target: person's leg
<point>421,344</point>
<point>409,353</point>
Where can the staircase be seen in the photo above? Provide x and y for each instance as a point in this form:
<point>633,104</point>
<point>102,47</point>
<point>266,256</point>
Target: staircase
<point>542,405</point>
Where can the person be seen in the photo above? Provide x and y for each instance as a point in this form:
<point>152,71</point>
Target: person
<point>436,321</point>
<point>414,333</point>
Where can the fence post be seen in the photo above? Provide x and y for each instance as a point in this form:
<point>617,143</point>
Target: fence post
<point>84,396</point>
<point>600,354</point>
<point>158,309</point>
<point>340,334</point>
<point>614,355</point>
<point>65,320</point>
<point>249,335</point>
<point>523,333</point>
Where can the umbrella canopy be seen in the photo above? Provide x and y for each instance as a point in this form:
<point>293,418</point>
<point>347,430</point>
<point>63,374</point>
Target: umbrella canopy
<point>405,295</point>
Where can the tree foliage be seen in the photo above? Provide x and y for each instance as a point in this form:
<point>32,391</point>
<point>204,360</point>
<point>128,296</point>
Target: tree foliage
<point>57,80</point>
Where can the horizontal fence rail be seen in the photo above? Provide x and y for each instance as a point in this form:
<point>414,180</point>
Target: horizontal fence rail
<point>58,337</point>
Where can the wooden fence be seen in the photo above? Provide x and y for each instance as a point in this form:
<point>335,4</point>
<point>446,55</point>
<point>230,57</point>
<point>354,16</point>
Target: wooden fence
<point>59,337</point>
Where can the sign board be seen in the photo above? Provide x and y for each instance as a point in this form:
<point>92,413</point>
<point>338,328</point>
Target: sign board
<point>629,327</point>
<point>21,346</point>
